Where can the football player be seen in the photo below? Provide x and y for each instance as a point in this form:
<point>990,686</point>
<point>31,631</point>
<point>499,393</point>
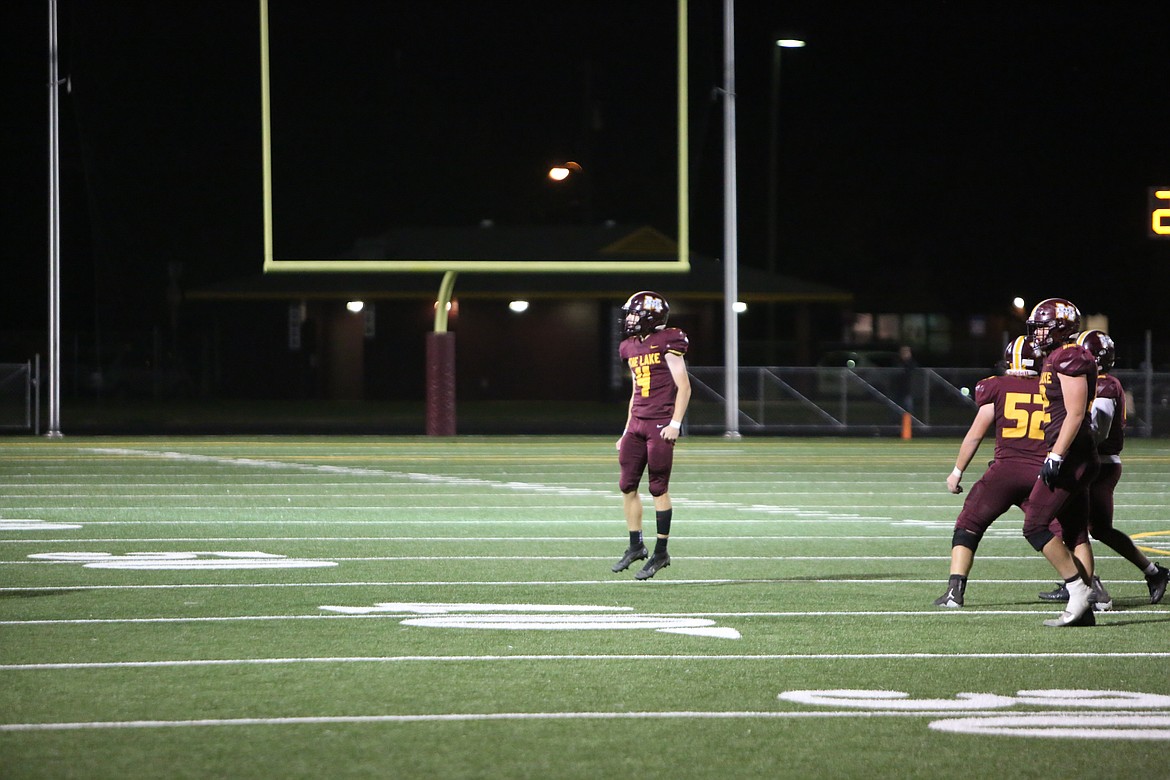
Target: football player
<point>656,356</point>
<point>1107,419</point>
<point>1012,405</point>
<point>1068,383</point>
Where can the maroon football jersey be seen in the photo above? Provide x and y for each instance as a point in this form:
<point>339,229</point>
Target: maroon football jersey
<point>1019,416</point>
<point>654,387</point>
<point>1110,387</point>
<point>1070,360</point>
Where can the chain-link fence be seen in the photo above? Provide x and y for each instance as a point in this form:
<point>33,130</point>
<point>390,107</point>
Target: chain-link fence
<point>19,409</point>
<point>876,401</point>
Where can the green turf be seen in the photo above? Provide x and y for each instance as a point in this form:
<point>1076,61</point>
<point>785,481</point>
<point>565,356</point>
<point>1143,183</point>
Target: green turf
<point>822,555</point>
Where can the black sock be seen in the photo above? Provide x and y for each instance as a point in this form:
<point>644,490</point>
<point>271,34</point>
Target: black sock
<point>635,539</point>
<point>660,546</point>
<point>662,518</point>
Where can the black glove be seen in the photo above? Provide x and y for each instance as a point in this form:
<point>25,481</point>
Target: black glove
<point>1051,469</point>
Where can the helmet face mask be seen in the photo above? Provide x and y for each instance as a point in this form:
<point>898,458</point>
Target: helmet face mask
<point>644,313</point>
<point>1053,322</point>
<point>1021,357</point>
<point>1101,345</point>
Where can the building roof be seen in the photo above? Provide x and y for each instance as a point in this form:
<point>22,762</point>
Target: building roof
<point>606,242</point>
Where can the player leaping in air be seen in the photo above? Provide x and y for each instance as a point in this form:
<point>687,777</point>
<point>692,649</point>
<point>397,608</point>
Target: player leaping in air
<point>661,391</point>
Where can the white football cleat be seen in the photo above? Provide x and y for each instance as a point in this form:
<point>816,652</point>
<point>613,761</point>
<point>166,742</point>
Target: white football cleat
<point>1078,612</point>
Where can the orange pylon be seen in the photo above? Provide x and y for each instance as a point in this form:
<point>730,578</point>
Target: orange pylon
<point>907,427</point>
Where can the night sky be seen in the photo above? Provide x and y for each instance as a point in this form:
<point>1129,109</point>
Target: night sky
<point>933,156</point>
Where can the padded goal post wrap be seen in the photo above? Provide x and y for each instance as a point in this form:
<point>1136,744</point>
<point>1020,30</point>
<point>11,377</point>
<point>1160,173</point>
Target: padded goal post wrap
<point>441,384</point>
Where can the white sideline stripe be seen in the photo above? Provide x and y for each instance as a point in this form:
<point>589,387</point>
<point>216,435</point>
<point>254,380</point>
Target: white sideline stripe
<point>767,488</point>
<point>561,657</point>
<point>948,614</point>
<point>496,716</point>
<point>442,479</point>
<point>437,479</point>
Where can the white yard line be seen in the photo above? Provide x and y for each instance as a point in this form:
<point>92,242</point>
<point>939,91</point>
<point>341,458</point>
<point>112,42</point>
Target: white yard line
<point>617,580</point>
<point>869,558</point>
<point>561,657</point>
<point>605,538</point>
<point>948,614</point>
<point>1155,722</point>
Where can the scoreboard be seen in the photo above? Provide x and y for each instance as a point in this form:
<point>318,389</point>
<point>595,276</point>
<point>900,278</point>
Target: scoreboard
<point>1159,212</point>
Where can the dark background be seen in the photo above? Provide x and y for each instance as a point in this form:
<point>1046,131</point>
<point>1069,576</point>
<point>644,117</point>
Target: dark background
<point>933,156</point>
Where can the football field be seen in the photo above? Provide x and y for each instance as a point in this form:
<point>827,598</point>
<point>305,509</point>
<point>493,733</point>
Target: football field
<point>444,608</point>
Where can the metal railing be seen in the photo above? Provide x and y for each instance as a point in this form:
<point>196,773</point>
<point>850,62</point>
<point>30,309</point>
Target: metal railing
<point>877,401</point>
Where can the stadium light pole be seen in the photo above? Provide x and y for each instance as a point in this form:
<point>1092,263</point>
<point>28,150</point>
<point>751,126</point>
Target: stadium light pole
<point>773,145</point>
<point>54,427</point>
<point>730,219</point>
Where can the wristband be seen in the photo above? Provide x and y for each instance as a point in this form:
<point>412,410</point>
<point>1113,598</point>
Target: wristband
<point>956,472</point>
<point>675,424</point>
<point>1055,457</point>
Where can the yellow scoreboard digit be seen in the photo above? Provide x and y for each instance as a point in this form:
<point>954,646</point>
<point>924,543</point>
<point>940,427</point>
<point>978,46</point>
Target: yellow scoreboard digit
<point>1159,212</point>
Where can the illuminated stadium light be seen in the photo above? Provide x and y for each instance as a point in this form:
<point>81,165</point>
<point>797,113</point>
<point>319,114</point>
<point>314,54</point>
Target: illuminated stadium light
<point>518,306</point>
<point>562,172</point>
<point>739,307</point>
<point>790,43</point>
<point>355,306</point>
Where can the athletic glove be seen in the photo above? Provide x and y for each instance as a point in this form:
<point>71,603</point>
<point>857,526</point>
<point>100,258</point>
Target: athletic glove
<point>1051,469</point>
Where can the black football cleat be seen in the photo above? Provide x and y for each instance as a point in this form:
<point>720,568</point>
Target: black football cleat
<point>1100,599</point>
<point>659,561</point>
<point>1060,594</point>
<point>638,553</point>
<point>951,599</point>
<point>1157,583</point>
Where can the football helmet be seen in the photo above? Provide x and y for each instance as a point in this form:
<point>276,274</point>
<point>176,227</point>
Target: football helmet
<point>1052,322</point>
<point>1021,357</point>
<point>1101,345</point>
<point>644,313</point>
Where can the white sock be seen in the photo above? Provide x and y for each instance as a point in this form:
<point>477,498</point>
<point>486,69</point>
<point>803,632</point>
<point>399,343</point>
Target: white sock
<point>1078,595</point>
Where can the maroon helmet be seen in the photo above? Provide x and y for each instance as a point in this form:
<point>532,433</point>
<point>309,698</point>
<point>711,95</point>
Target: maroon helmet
<point>644,313</point>
<point>1101,345</point>
<point>1021,357</point>
<point>1053,322</point>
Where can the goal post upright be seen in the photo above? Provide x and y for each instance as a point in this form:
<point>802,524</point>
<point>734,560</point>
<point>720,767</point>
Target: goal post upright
<point>440,369</point>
